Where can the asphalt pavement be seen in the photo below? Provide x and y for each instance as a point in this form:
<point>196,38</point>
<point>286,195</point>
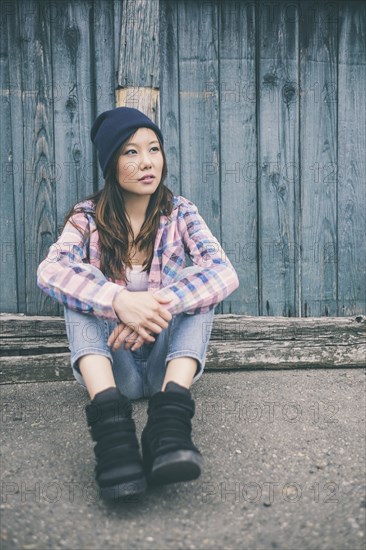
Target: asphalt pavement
<point>284,468</point>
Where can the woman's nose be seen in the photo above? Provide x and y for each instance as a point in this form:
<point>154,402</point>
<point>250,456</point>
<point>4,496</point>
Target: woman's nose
<point>145,159</point>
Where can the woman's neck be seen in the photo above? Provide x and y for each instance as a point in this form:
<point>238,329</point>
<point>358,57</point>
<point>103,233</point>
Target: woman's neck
<point>136,207</point>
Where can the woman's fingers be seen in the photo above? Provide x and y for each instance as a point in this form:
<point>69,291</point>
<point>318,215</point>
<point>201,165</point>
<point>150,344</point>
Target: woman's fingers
<point>165,314</point>
<point>115,333</point>
<point>124,334</point>
<point>118,335</point>
<point>143,313</point>
<point>135,341</point>
<point>157,326</point>
<point>146,335</point>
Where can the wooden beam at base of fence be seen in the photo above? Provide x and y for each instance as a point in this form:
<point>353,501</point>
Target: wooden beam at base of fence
<point>35,348</point>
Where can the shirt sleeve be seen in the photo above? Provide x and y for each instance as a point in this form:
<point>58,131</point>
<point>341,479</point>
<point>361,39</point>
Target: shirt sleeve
<point>65,277</point>
<point>199,292</point>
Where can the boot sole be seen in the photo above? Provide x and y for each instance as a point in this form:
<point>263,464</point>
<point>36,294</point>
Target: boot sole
<point>123,489</point>
<point>176,466</point>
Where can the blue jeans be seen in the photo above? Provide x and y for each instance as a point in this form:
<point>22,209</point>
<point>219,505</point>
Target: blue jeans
<point>140,373</point>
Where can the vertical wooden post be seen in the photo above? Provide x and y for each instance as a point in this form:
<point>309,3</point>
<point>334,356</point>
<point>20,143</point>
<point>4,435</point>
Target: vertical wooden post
<point>138,65</point>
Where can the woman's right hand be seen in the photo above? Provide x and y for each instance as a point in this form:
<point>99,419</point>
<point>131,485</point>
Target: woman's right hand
<point>142,312</point>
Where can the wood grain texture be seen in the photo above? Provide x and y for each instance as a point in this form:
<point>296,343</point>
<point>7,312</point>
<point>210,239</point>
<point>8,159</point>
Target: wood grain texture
<point>35,348</point>
<point>318,153</point>
<point>262,106</point>
<point>238,166</point>
<point>199,110</point>
<point>169,92</point>
<point>277,160</point>
<point>36,368</point>
<point>117,19</point>
<point>139,44</point>
<point>15,274</point>
<point>10,152</point>
<point>146,100</point>
<point>74,109</point>
<point>352,159</point>
<point>38,141</point>
<point>51,330</point>
<point>103,77</point>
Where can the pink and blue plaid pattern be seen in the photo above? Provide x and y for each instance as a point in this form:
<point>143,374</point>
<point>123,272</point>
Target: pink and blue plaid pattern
<point>66,276</point>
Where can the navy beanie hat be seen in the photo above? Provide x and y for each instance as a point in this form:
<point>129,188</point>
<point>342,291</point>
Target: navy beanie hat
<point>113,127</point>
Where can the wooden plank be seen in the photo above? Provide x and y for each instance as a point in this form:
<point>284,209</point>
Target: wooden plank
<point>103,83</point>
<point>139,44</point>
<point>278,158</point>
<point>36,348</point>
<point>17,272</point>
<point>254,337</point>
<point>169,92</point>
<point>199,118</point>
<point>328,330</point>
<point>272,355</point>
<point>72,102</point>
<point>199,110</point>
<point>351,159</point>
<point>73,111</point>
<point>238,150</point>
<point>24,326</point>
<point>145,99</point>
<point>318,153</point>
<point>33,346</point>
<point>35,368</point>
<point>15,330</point>
<point>220,356</point>
<point>117,17</point>
<point>10,93</point>
<point>38,141</point>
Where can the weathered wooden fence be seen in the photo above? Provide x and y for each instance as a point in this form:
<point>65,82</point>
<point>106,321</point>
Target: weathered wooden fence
<point>262,105</point>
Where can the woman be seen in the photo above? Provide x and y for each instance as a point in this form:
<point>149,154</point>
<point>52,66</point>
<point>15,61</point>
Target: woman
<point>118,268</point>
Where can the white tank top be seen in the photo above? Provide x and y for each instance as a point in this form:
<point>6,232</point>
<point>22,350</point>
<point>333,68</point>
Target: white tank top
<point>136,279</point>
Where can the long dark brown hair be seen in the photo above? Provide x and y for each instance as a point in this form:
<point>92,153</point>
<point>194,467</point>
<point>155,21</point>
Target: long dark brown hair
<point>113,225</point>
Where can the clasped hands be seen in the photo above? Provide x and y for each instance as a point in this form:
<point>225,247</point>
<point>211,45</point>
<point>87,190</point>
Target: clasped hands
<point>140,315</point>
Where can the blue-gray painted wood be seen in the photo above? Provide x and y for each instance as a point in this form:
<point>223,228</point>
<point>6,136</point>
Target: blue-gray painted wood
<point>169,91</point>
<point>277,88</point>
<point>11,161</point>
<point>237,169</point>
<point>139,51</point>
<point>38,143</point>
<point>199,111</point>
<point>318,158</point>
<point>278,127</point>
<point>73,110</point>
<point>298,232</point>
<point>72,77</point>
<point>105,15</point>
<point>352,159</point>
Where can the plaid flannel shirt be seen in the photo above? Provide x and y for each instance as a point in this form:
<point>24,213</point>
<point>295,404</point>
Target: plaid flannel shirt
<point>65,274</point>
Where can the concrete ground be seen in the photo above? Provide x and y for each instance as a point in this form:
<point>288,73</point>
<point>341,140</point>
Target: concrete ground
<point>284,468</point>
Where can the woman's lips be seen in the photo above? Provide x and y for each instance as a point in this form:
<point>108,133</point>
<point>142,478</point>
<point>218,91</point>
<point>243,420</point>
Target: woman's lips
<point>147,180</point>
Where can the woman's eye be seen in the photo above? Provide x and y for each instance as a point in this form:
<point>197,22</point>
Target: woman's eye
<point>134,151</point>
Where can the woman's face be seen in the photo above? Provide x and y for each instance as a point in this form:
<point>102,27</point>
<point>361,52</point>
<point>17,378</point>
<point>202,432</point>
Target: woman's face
<point>140,157</point>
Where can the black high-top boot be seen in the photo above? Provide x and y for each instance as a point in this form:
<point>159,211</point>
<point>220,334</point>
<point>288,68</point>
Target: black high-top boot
<point>167,449</point>
<point>119,470</point>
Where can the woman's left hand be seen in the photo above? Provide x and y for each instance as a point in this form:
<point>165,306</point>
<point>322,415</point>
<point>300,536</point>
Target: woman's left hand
<point>122,333</point>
